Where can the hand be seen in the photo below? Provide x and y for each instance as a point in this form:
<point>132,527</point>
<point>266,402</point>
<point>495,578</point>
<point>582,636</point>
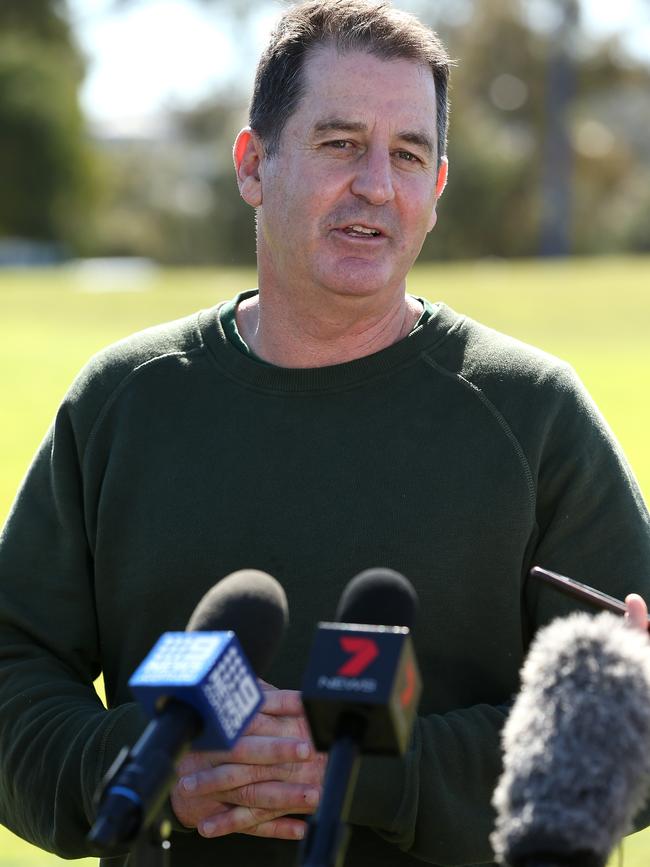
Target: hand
<point>272,771</point>
<point>637,612</point>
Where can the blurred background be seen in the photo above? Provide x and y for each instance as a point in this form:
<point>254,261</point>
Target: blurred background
<point>117,119</point>
<point>119,208</point>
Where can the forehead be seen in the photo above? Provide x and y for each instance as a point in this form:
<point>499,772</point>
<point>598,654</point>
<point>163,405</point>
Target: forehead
<point>360,86</point>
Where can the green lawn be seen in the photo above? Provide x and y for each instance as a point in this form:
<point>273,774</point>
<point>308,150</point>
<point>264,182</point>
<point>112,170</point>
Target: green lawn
<point>594,313</point>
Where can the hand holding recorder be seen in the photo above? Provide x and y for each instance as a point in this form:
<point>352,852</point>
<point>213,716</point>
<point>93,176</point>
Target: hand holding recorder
<point>634,609</point>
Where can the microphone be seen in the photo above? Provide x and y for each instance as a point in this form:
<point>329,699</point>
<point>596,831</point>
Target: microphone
<point>576,745</point>
<point>360,694</point>
<point>200,690</point>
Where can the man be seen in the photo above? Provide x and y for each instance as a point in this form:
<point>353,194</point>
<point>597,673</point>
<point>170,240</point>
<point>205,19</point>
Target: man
<point>324,424</point>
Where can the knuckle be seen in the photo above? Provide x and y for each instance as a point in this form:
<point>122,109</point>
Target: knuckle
<point>192,762</point>
<point>183,814</point>
<point>246,794</point>
<point>229,778</point>
<point>259,773</point>
<point>287,702</point>
<point>259,816</point>
<point>303,728</point>
<point>293,771</point>
<point>279,751</point>
<point>269,828</point>
<point>254,725</point>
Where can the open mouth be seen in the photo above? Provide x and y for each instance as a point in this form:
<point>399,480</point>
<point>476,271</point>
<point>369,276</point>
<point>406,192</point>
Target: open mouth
<point>358,231</point>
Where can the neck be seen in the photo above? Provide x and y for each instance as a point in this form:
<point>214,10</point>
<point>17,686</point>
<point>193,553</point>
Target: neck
<point>286,336</point>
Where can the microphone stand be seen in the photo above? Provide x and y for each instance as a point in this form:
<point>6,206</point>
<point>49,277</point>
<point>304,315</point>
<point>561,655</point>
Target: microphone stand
<point>328,832</point>
<point>152,847</point>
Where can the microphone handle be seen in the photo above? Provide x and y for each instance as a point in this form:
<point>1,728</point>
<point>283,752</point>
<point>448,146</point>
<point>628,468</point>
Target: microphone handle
<point>328,832</point>
<point>137,784</point>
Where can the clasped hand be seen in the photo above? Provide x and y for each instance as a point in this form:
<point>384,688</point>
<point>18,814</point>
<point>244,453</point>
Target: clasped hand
<point>272,771</point>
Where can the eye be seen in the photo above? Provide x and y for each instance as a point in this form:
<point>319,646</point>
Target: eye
<point>338,144</point>
<point>408,157</point>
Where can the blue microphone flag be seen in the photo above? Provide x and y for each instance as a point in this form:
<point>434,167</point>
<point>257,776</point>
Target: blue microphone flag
<point>209,672</point>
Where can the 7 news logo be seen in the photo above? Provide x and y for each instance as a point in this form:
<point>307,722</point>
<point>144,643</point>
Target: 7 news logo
<point>362,652</point>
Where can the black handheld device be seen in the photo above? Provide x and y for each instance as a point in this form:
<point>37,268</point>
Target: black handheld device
<point>580,591</point>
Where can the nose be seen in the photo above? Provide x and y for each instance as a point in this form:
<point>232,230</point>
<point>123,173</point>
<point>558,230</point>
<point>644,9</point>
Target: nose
<point>373,180</point>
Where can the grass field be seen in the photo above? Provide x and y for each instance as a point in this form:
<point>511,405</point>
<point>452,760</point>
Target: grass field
<point>594,313</point>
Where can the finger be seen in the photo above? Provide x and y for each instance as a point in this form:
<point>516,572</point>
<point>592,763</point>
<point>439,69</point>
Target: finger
<point>257,750</point>
<point>283,828</point>
<point>282,702</point>
<point>191,810</point>
<point>278,726</point>
<point>637,612</point>
<point>197,772</point>
<point>239,820</point>
<point>275,796</point>
<point>232,776</point>
<point>251,801</point>
<point>194,762</point>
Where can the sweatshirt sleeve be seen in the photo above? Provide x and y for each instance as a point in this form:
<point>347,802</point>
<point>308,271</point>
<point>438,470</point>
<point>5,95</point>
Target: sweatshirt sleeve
<point>434,803</point>
<point>591,524</point>
<point>56,738</point>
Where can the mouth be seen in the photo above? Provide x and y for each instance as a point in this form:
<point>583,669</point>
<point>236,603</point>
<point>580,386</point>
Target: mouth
<point>359,230</point>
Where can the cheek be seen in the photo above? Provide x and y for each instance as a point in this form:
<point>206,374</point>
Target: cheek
<point>287,222</point>
<point>422,209</point>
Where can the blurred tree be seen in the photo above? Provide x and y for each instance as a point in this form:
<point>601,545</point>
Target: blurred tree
<point>557,162</point>
<point>545,148</point>
<point>46,172</point>
<point>45,20</point>
<point>497,95</point>
<point>175,199</point>
<point>564,166</point>
<point>211,128</point>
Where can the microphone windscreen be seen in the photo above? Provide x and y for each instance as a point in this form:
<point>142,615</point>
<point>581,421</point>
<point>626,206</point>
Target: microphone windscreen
<point>378,597</point>
<point>576,744</point>
<point>254,606</point>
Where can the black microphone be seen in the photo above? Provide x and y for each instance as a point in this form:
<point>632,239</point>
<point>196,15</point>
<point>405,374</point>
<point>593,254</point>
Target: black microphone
<point>200,689</point>
<point>360,695</point>
<point>576,745</point>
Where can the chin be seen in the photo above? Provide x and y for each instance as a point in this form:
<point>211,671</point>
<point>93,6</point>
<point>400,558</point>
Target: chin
<point>361,282</point>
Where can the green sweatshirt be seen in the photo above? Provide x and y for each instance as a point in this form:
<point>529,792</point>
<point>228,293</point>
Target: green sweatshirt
<point>457,456</point>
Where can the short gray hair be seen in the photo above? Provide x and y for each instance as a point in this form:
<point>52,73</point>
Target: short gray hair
<point>351,25</point>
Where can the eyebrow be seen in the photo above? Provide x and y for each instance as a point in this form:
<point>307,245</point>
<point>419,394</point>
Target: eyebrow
<point>339,124</point>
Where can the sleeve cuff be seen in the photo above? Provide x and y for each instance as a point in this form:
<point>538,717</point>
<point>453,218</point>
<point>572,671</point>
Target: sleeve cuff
<point>385,797</point>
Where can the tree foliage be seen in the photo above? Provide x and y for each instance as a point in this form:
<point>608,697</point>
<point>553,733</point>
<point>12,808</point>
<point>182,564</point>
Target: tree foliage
<point>502,158</point>
<point>46,175</point>
<point>503,165</point>
<point>44,20</point>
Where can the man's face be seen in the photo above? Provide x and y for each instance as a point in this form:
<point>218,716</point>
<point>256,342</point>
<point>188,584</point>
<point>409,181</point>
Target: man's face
<point>347,200</point>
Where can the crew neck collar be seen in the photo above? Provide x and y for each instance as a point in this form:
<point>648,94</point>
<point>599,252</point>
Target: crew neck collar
<point>262,375</point>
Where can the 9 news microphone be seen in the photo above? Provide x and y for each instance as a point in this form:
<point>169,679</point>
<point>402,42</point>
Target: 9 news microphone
<point>200,690</point>
<point>577,745</point>
<point>360,694</point>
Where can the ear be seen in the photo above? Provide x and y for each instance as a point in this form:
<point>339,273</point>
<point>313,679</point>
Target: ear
<point>441,182</point>
<point>443,171</point>
<point>247,153</point>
